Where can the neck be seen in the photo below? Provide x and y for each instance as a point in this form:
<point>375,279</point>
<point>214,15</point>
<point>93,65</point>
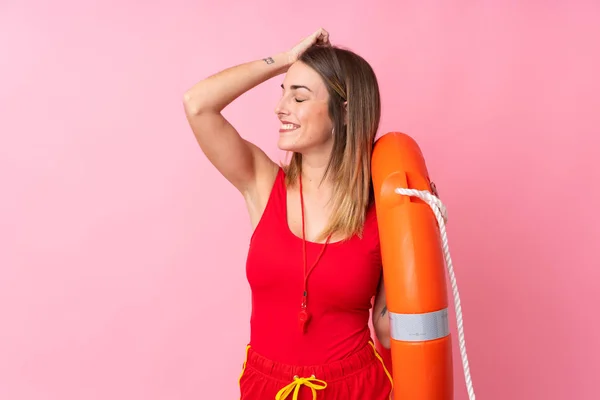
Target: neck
<point>314,164</point>
<point>313,170</point>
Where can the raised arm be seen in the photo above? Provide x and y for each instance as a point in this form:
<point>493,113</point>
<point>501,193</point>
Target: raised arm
<point>238,160</point>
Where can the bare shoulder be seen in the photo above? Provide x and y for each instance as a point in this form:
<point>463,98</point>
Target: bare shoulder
<point>257,195</point>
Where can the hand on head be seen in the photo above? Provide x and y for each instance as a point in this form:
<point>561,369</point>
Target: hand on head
<point>320,38</point>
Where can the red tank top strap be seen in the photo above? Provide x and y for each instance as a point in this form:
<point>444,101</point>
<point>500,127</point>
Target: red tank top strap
<point>274,212</point>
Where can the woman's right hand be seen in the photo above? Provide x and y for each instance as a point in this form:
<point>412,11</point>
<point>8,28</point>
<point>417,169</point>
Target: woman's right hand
<point>319,37</point>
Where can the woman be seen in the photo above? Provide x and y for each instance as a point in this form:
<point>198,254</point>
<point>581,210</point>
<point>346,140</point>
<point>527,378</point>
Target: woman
<point>314,263</point>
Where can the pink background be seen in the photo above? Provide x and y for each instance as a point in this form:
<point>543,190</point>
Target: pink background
<point>122,279</point>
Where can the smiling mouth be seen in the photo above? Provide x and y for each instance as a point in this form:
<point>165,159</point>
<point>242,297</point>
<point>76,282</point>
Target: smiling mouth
<point>288,127</point>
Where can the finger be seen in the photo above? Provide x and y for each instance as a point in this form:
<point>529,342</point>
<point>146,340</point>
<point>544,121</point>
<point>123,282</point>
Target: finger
<point>323,38</point>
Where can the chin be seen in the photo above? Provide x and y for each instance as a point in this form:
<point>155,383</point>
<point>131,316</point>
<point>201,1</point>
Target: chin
<point>291,149</point>
<point>288,144</point>
<point>301,143</point>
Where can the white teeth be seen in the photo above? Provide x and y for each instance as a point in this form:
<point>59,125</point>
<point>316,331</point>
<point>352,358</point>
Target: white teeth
<point>288,126</point>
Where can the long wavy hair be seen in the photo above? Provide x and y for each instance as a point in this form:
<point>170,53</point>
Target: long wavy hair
<point>348,77</point>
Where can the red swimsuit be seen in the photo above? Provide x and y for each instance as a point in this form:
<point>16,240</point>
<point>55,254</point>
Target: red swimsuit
<point>336,339</point>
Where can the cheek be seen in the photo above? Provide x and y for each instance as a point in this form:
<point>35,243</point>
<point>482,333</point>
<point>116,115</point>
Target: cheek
<point>315,119</point>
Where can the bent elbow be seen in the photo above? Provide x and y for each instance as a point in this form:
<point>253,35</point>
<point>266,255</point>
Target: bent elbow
<point>384,340</point>
<point>382,332</point>
<point>191,105</point>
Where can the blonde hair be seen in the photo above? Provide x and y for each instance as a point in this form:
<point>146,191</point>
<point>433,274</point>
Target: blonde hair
<point>348,77</point>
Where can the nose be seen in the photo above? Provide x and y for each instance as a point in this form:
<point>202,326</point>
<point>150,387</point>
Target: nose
<point>281,107</point>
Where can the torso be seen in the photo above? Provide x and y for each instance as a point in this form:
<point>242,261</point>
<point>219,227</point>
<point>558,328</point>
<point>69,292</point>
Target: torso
<point>340,288</point>
<point>317,211</point>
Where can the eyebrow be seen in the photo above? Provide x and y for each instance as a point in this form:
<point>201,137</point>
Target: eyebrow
<point>295,87</point>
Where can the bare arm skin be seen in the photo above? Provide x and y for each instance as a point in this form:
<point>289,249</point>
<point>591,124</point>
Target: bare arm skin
<point>237,159</point>
<point>241,162</point>
<point>381,319</point>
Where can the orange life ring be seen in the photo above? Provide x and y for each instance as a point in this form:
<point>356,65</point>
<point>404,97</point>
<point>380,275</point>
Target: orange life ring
<point>413,268</point>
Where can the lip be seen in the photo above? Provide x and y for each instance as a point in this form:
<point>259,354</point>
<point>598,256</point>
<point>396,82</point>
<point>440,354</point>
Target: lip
<point>288,130</point>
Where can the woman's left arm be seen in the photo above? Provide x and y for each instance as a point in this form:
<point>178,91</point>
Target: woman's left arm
<point>381,319</point>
